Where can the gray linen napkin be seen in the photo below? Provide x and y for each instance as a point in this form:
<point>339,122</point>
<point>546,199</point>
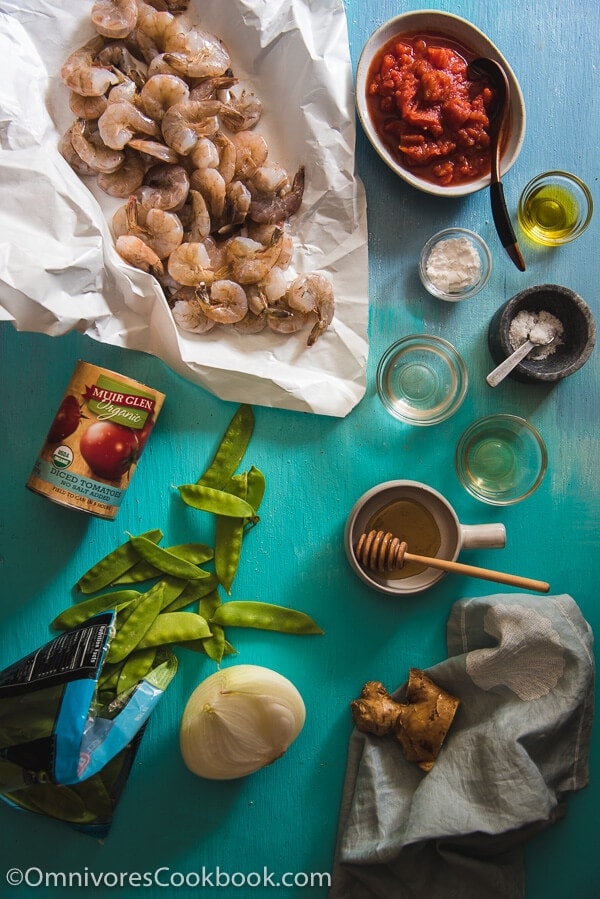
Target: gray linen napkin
<point>523,668</point>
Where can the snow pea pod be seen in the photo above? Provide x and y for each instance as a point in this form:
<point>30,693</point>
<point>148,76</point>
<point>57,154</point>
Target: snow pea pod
<point>135,668</point>
<point>175,627</point>
<point>166,561</point>
<point>231,449</point>
<point>229,533</point>
<point>112,566</point>
<point>129,633</point>
<point>79,613</point>
<point>265,616</point>
<point>219,502</point>
<point>145,571</point>
<point>192,592</point>
<point>213,646</point>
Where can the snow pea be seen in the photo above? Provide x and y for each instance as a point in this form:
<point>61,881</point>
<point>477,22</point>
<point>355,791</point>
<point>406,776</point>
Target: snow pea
<point>214,646</point>
<point>166,561</point>
<point>229,533</point>
<point>193,591</point>
<point>174,627</point>
<point>231,449</point>
<point>135,668</point>
<point>141,615</point>
<point>265,616</point>
<point>112,566</point>
<point>145,571</point>
<point>80,612</point>
<point>219,502</point>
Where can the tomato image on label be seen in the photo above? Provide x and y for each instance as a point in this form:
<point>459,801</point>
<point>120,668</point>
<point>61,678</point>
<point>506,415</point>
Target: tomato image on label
<point>66,420</point>
<point>109,449</point>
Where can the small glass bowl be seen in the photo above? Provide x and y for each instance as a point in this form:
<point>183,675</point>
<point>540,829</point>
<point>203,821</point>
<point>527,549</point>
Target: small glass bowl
<point>421,379</point>
<point>464,288</point>
<point>501,459</point>
<point>555,208</point>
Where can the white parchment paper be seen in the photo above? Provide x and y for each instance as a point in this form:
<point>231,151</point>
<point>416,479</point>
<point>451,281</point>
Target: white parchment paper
<point>58,267</point>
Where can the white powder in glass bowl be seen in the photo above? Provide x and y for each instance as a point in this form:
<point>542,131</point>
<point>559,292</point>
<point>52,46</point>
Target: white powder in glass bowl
<point>453,265</point>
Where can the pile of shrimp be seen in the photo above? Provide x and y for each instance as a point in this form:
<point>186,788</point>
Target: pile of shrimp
<point>163,124</point>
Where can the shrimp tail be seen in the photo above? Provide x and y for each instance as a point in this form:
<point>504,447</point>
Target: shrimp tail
<point>271,209</point>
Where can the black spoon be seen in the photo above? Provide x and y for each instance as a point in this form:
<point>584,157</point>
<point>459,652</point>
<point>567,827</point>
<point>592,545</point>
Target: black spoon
<point>484,68</point>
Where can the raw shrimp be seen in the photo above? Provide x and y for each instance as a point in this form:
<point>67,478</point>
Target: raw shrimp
<point>92,150</point>
<point>81,75</point>
<point>154,24</point>
<point>249,261</point>
<point>114,18</point>
<point>242,112</point>
<point>211,88</point>
<point>237,203</point>
<point>251,152</point>
<point>125,90</point>
<point>126,179</point>
<point>154,149</point>
<point>184,123</point>
<point>161,230</point>
<point>67,151</point>
<point>271,178</point>
<point>199,224</point>
<point>188,312</point>
<point>189,264</point>
<point>161,91</point>
<point>121,120</point>
<point>251,323</point>
<point>226,302</point>
<point>196,53</point>
<point>227,158</point>
<point>285,320</point>
<point>118,56</point>
<point>272,208</point>
<point>313,294</point>
<point>211,185</point>
<point>205,154</point>
<point>164,187</point>
<point>87,107</point>
<point>137,253</point>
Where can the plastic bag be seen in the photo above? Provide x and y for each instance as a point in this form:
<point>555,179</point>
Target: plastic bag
<point>68,737</point>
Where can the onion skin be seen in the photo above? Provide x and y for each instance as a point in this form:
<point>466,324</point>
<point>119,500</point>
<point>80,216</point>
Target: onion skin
<point>239,720</point>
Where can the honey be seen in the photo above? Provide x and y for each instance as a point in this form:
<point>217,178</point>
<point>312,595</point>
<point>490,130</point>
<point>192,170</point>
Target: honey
<point>408,520</point>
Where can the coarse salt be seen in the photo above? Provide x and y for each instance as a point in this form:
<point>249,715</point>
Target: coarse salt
<point>540,327</point>
<point>453,265</point>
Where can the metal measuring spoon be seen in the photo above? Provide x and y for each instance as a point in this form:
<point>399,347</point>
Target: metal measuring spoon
<point>489,70</point>
<point>505,368</point>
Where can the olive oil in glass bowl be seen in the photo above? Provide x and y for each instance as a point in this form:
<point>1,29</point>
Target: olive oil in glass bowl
<point>555,208</point>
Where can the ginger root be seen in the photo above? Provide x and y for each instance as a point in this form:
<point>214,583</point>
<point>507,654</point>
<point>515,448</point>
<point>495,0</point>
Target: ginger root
<point>420,724</point>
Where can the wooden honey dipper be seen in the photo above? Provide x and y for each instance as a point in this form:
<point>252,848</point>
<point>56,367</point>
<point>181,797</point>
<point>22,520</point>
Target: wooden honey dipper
<point>381,551</point>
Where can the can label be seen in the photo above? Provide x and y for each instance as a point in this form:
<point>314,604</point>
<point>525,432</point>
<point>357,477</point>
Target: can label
<point>95,440</point>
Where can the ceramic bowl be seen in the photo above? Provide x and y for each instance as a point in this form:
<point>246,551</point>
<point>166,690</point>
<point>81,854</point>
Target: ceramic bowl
<point>460,290</point>
<point>421,379</point>
<point>475,43</point>
<point>577,340</point>
<point>501,459</point>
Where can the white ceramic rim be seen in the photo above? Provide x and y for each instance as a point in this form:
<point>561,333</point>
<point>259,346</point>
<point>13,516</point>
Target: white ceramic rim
<point>459,29</point>
<point>484,252</point>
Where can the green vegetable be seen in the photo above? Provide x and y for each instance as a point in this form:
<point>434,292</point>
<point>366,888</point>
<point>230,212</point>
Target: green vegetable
<point>79,613</point>
<point>219,502</point>
<point>264,615</point>
<point>231,449</point>
<point>112,566</point>
<point>145,571</point>
<point>142,614</point>
<point>166,561</point>
<point>175,627</point>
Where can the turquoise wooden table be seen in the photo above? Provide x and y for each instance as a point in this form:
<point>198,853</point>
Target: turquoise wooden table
<point>284,818</point>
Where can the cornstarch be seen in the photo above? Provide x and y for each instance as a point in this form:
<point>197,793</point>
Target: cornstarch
<point>453,265</point>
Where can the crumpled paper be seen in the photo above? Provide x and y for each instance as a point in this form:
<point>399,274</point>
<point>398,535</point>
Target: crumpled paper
<point>59,270</point>
<point>523,669</point>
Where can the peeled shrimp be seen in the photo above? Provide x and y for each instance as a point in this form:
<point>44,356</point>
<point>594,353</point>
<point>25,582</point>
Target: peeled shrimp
<point>164,187</point>
<point>251,323</point>
<point>114,18</point>
<point>189,264</point>
<point>161,91</point>
<point>118,56</point>
<point>196,53</point>
<point>313,294</point>
<point>237,204</point>
<point>120,121</point>
<point>66,150</point>
<point>271,178</point>
<point>87,107</point>
<point>211,185</point>
<point>161,230</point>
<point>226,302</point>
<point>154,149</point>
<point>137,253</point>
<point>126,179</point>
<point>205,154</point>
<point>249,261</point>
<point>81,75</point>
<point>269,208</point>
<point>242,112</point>
<point>92,150</point>
<point>199,224</point>
<point>188,312</point>
<point>251,152</point>
<point>184,123</point>
<point>285,320</point>
<point>209,88</point>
